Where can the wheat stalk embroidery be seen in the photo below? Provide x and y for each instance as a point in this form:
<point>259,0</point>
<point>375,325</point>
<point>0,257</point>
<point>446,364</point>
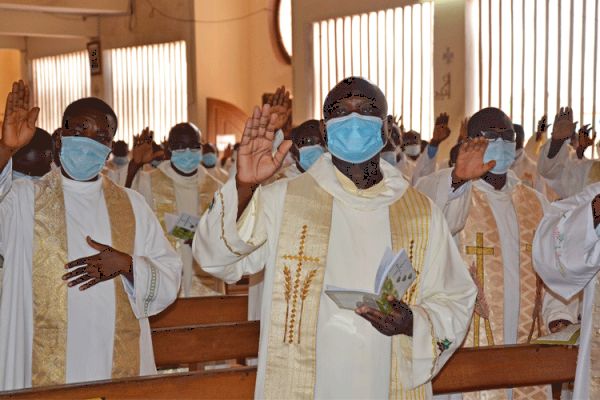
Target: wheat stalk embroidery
<point>299,289</point>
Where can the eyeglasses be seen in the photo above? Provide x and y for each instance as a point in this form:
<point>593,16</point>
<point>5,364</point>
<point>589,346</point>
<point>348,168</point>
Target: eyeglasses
<point>507,135</point>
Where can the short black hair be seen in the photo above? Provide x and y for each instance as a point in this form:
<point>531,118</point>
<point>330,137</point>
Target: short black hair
<point>185,127</point>
<point>120,147</point>
<point>482,119</point>
<point>353,86</point>
<point>89,102</point>
<point>41,141</point>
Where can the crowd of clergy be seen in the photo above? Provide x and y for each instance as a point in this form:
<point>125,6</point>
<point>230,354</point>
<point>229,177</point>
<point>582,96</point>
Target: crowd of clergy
<point>503,234</point>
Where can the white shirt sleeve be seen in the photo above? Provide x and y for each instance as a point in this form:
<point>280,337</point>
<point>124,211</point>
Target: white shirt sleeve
<point>142,183</point>
<point>156,266</point>
<point>565,173</point>
<point>227,248</point>
<point>566,248</point>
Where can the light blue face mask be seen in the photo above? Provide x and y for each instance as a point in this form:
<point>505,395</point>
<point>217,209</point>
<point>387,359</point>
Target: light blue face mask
<point>82,158</point>
<point>187,161</point>
<point>209,160</point>
<point>354,138</point>
<point>389,156</point>
<point>155,163</point>
<point>598,230</point>
<point>309,155</point>
<point>120,161</point>
<point>19,175</point>
<point>503,153</point>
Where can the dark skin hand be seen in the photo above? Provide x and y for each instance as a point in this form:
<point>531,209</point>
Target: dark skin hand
<point>398,322</point>
<point>469,162</point>
<point>562,131</point>
<point>107,264</point>
<point>585,140</point>
<point>596,210</point>
<point>441,131</point>
<point>142,153</point>
<point>558,325</point>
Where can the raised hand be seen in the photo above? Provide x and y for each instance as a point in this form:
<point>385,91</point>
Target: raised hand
<point>398,120</point>
<point>397,322</point>
<point>255,161</point>
<point>281,107</point>
<point>542,127</point>
<point>563,124</point>
<point>107,264</point>
<point>441,131</point>
<point>469,162</point>
<point>585,140</point>
<point>142,152</point>
<point>19,120</point>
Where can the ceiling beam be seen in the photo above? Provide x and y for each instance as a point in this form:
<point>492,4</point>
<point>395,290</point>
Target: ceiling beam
<point>21,23</point>
<point>80,7</point>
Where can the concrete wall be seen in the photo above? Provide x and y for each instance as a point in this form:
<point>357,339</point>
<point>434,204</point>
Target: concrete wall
<point>10,65</point>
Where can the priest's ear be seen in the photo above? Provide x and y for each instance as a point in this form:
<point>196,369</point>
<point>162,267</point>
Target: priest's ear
<point>386,129</point>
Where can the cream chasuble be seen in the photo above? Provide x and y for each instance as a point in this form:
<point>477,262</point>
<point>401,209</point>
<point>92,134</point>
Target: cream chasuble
<point>313,231</point>
<point>494,230</point>
<point>167,192</point>
<point>50,333</point>
<point>481,249</point>
<point>567,257</point>
<point>50,292</point>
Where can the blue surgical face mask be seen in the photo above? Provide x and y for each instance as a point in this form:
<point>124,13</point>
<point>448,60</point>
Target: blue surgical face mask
<point>503,153</point>
<point>389,156</point>
<point>209,160</point>
<point>120,161</point>
<point>82,158</point>
<point>187,161</point>
<point>354,138</point>
<point>155,163</point>
<point>309,155</point>
<point>19,175</point>
<point>412,150</point>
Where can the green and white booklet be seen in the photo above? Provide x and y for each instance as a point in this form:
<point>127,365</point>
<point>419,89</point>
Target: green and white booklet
<point>394,276</point>
<point>567,336</point>
<point>182,226</point>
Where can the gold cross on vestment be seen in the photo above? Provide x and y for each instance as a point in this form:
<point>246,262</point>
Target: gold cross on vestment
<point>480,251</point>
<point>297,288</point>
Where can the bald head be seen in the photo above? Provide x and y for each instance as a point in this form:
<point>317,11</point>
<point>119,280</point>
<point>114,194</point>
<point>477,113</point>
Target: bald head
<point>488,119</point>
<point>355,95</point>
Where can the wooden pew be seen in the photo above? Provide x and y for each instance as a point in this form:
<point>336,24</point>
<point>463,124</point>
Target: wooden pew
<point>215,328</point>
<point>469,369</point>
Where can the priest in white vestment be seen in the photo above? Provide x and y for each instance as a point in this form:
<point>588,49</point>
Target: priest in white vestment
<point>117,268</point>
<point>118,165</point>
<point>331,226</point>
<point>210,158</point>
<point>415,165</point>
<point>182,185</point>
<point>493,217</point>
<point>567,257</point>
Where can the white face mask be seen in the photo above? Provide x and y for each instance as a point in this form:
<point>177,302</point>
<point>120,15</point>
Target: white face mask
<point>412,150</point>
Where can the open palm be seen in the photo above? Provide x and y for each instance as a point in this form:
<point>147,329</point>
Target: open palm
<point>19,121</point>
<point>563,124</point>
<point>469,163</point>
<point>255,161</point>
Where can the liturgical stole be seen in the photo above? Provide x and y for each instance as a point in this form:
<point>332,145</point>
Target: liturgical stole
<point>163,193</point>
<point>298,285</point>
<point>50,254</point>
<point>481,248</point>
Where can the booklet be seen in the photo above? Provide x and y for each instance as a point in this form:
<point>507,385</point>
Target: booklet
<point>394,276</point>
<point>568,336</point>
<point>182,226</point>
